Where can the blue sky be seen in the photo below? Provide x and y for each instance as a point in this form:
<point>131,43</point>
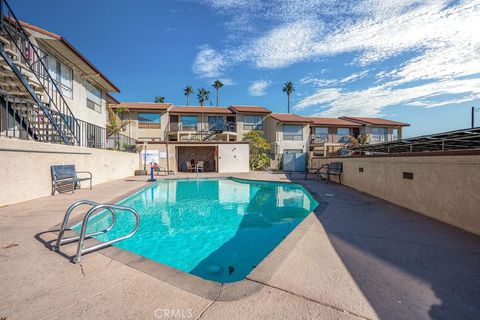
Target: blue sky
<point>412,60</point>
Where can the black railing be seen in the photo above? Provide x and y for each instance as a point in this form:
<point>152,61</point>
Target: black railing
<point>319,139</point>
<point>121,142</point>
<point>30,56</point>
<point>18,116</point>
<point>202,127</point>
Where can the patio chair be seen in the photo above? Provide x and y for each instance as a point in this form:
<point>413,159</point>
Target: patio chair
<point>189,166</point>
<point>200,167</point>
<point>64,178</point>
<point>333,169</point>
<point>314,171</point>
<point>164,170</point>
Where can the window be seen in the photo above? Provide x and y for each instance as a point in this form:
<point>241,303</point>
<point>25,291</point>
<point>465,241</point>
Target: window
<point>94,97</point>
<point>252,123</point>
<point>62,75</point>
<point>321,135</point>
<point>215,123</point>
<point>379,134</point>
<point>149,120</point>
<point>189,123</point>
<point>394,134</point>
<point>343,135</point>
<point>292,132</point>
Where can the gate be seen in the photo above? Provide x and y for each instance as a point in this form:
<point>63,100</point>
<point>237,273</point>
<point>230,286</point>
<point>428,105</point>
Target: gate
<point>294,161</point>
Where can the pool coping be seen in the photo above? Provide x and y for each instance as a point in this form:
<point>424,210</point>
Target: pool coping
<point>251,284</point>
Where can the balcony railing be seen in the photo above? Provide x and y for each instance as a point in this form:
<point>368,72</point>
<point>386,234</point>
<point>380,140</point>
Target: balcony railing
<point>319,139</point>
<point>121,142</point>
<point>202,127</point>
<point>331,138</point>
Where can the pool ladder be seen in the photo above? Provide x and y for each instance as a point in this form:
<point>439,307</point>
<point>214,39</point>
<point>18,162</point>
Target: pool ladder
<point>83,232</point>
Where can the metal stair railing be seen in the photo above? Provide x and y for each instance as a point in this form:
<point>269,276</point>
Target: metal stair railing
<point>83,232</point>
<point>35,62</point>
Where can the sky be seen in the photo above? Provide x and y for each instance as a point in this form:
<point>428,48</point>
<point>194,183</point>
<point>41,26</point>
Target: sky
<point>415,61</point>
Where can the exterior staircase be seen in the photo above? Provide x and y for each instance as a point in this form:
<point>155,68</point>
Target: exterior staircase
<point>211,134</point>
<point>33,106</point>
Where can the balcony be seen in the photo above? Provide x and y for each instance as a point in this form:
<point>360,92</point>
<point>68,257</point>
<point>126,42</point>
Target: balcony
<point>202,131</point>
<point>320,139</point>
<point>202,127</point>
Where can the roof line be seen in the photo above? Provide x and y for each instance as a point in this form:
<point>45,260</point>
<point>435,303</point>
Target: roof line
<point>113,98</point>
<point>360,120</point>
<point>71,47</point>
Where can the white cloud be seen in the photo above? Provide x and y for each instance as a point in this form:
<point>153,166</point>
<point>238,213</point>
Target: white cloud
<point>228,4</point>
<point>208,63</point>
<point>259,88</point>
<point>227,81</point>
<point>369,102</point>
<point>436,41</point>
<point>320,82</point>
<point>285,45</point>
<point>320,97</point>
<point>354,77</point>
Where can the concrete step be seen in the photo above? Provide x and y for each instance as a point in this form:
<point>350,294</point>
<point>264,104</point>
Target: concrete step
<point>11,52</point>
<point>4,40</point>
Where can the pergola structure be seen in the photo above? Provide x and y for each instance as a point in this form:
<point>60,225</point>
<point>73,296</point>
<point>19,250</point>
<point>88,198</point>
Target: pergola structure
<point>464,139</point>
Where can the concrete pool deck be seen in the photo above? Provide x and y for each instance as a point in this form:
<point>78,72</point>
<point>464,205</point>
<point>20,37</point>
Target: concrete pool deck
<point>359,257</point>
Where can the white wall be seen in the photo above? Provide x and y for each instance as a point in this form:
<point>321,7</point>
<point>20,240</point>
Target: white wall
<point>25,167</point>
<point>233,158</point>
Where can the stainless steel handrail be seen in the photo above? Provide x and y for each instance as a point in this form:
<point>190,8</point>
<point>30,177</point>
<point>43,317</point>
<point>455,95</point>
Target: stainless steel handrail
<point>63,228</point>
<point>80,249</point>
<point>83,232</point>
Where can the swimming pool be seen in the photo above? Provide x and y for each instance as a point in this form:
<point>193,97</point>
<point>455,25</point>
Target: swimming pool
<point>217,229</point>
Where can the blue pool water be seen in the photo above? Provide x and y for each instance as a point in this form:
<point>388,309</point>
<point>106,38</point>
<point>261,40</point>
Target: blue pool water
<point>217,229</point>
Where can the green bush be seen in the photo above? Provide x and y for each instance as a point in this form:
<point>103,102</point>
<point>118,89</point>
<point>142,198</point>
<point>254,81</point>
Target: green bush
<point>259,149</point>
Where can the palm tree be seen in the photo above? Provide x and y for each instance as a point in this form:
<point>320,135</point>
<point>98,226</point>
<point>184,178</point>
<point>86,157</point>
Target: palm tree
<point>159,99</point>
<point>187,92</point>
<point>217,84</point>
<point>288,89</point>
<point>116,123</point>
<point>203,96</point>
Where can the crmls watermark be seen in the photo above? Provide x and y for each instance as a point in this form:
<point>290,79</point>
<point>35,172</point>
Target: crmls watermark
<point>163,313</point>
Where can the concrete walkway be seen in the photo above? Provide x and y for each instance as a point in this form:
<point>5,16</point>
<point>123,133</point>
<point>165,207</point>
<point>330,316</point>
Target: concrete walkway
<point>359,258</point>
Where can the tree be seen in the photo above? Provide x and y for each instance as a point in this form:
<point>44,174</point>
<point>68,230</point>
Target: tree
<point>259,149</point>
<point>217,84</point>
<point>288,89</point>
<point>203,96</point>
<point>187,92</point>
<point>116,123</point>
<point>159,99</point>
<point>359,141</point>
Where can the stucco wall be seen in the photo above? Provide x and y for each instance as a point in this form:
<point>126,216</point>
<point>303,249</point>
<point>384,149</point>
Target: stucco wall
<point>446,188</point>
<point>292,144</point>
<point>241,131</point>
<point>25,167</point>
<point>233,158</point>
<point>78,101</point>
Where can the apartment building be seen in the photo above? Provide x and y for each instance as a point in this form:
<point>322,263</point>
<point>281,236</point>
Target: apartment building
<point>196,132</point>
<point>378,129</point>
<point>49,91</point>
<point>288,136</point>
<point>175,135</point>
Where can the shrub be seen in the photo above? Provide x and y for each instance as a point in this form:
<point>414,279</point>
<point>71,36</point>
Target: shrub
<point>259,149</point>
